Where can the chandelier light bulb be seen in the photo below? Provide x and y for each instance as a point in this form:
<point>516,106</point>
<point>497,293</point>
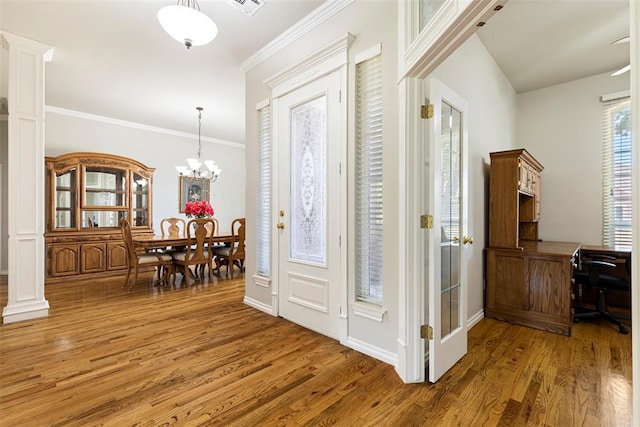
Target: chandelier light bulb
<point>186,24</point>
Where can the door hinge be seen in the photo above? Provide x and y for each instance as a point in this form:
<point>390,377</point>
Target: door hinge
<point>426,331</point>
<point>426,221</point>
<point>426,111</point>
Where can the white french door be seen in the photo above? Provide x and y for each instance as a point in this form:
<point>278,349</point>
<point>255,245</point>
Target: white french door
<point>447,199</point>
<point>309,205</point>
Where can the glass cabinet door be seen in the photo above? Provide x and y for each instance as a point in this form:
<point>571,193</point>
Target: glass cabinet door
<point>139,201</point>
<point>65,199</point>
<point>105,187</point>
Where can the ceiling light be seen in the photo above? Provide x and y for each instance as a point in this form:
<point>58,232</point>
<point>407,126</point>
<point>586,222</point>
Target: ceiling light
<point>621,71</point>
<point>185,23</point>
<point>211,171</point>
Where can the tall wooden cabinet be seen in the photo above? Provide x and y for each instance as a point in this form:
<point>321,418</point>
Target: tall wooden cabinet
<point>514,198</point>
<point>528,281</point>
<point>86,196</point>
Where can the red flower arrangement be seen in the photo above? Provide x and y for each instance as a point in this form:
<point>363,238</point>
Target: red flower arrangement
<point>201,209</point>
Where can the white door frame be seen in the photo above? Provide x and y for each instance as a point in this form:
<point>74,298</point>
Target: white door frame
<point>331,57</point>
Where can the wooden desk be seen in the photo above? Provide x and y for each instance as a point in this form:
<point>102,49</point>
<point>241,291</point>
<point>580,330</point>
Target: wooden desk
<point>531,285</point>
<point>621,300</point>
<point>147,242</point>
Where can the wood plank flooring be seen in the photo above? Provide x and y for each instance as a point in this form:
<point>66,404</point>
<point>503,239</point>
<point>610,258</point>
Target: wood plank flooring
<point>196,355</point>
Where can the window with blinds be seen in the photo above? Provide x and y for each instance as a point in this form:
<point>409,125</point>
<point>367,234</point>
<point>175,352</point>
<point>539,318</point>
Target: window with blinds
<point>368,181</point>
<point>616,172</point>
<point>263,235</point>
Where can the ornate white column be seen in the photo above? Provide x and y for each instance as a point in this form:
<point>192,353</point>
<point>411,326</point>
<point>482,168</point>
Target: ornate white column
<point>26,178</point>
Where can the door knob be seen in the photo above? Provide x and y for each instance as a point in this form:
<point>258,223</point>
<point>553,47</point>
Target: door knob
<point>456,239</point>
<point>467,240</point>
<point>280,225</point>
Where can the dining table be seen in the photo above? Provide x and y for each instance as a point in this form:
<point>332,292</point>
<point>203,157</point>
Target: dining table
<point>156,241</point>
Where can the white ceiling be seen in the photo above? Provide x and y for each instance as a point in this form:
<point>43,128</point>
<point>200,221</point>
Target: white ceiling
<point>113,59</point>
<point>539,43</point>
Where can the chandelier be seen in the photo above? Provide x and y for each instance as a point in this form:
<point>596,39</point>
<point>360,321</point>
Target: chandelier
<point>211,171</point>
<point>185,23</point>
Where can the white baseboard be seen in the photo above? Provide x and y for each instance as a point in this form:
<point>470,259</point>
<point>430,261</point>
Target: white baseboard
<point>375,352</point>
<point>258,305</point>
<point>471,322</point>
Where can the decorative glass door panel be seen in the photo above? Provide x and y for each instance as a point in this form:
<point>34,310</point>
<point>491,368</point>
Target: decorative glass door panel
<point>65,199</point>
<point>428,9</point>
<point>450,192</point>
<point>308,182</point>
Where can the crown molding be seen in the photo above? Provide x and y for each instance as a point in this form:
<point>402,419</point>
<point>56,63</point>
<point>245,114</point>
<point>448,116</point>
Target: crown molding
<point>139,126</point>
<point>306,24</point>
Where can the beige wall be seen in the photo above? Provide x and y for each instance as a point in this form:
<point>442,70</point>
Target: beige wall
<point>561,126</point>
<point>160,149</point>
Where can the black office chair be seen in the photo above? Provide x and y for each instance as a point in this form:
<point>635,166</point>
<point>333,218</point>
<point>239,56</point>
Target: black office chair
<point>592,275</point>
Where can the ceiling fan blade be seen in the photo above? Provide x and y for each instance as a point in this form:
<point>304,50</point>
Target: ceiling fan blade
<point>621,71</point>
<point>622,40</point>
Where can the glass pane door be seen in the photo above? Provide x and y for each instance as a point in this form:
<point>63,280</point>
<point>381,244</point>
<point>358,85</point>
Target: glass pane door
<point>450,219</point>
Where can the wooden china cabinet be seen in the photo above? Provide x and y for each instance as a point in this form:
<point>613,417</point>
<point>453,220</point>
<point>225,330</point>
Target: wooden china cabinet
<point>528,280</point>
<point>86,196</point>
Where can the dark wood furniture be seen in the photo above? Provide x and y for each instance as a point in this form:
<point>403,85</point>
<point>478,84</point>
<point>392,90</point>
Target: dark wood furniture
<point>514,198</point>
<point>198,250</point>
<point>137,260</point>
<point>531,285</point>
<point>148,242</point>
<point>528,281</point>
<point>234,254</point>
<point>87,194</point>
<point>619,301</point>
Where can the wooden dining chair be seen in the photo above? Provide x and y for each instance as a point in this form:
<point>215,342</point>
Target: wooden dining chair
<point>135,260</point>
<point>172,227</point>
<point>197,252</point>
<point>234,254</point>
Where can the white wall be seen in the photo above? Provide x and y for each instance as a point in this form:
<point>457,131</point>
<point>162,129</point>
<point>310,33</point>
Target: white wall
<point>561,126</point>
<point>371,23</point>
<point>473,74</point>
<point>160,149</point>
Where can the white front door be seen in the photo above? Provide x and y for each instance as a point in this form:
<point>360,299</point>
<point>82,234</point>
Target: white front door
<point>447,275</point>
<point>308,205</point>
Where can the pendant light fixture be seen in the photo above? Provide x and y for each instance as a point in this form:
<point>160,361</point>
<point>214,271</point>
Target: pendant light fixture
<point>185,23</point>
<point>211,171</point>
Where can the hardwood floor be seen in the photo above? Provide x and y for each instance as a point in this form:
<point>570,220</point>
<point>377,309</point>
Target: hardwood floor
<point>199,356</point>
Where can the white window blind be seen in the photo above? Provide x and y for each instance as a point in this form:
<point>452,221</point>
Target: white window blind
<point>616,173</point>
<point>263,244</point>
<point>368,181</point>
